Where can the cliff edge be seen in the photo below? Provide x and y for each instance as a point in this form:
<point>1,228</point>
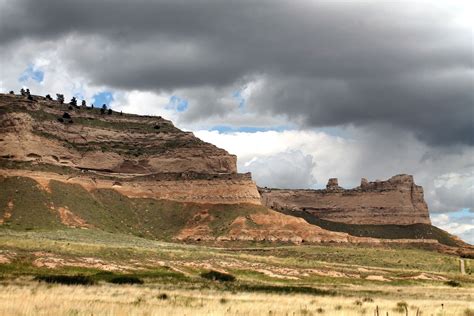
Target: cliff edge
<point>397,200</point>
<point>140,156</point>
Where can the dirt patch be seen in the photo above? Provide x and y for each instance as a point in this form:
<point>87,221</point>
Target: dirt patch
<point>70,219</point>
<point>197,228</point>
<point>273,226</point>
<point>7,214</point>
<point>277,276</point>
<point>430,277</point>
<point>332,273</point>
<point>43,184</point>
<point>52,261</point>
<point>6,256</point>
<point>377,278</point>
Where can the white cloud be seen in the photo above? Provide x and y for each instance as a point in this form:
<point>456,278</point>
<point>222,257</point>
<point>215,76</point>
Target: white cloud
<point>447,177</point>
<point>143,102</point>
<point>329,154</point>
<point>289,169</point>
<point>462,226</point>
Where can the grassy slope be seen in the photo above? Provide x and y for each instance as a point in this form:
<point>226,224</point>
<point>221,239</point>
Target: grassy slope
<point>158,219</point>
<point>181,262</point>
<point>416,231</point>
<point>19,104</point>
<point>106,209</point>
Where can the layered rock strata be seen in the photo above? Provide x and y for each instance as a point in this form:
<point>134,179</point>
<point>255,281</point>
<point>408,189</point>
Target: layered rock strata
<point>397,200</point>
<point>137,155</point>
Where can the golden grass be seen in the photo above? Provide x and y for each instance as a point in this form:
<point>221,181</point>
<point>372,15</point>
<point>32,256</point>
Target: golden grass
<point>30,298</point>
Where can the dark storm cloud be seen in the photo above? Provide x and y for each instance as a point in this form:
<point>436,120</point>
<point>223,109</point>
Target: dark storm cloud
<point>407,64</point>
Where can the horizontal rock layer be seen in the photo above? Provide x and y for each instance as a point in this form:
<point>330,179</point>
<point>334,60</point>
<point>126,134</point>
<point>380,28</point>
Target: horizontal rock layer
<point>396,201</point>
<point>143,156</point>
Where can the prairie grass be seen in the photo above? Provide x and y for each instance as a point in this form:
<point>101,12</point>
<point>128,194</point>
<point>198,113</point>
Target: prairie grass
<point>269,280</point>
<point>38,299</point>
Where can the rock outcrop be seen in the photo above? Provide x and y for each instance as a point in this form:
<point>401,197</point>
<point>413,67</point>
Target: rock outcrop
<point>142,175</point>
<point>396,201</point>
<point>143,156</point>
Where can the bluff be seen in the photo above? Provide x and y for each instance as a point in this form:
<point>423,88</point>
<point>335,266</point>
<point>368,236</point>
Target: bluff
<point>63,165</point>
<point>397,201</point>
<point>140,156</point>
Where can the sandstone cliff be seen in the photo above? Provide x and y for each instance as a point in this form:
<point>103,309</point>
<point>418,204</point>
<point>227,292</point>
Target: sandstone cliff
<point>62,165</point>
<point>396,201</point>
<point>139,155</point>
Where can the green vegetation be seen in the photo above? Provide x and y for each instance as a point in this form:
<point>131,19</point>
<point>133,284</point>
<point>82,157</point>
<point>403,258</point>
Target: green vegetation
<point>126,279</point>
<point>66,279</point>
<point>25,205</point>
<point>416,231</point>
<point>284,289</point>
<point>218,276</point>
<point>453,283</point>
<point>77,115</point>
<point>34,208</point>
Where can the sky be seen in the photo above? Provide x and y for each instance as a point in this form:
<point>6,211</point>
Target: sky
<point>300,91</point>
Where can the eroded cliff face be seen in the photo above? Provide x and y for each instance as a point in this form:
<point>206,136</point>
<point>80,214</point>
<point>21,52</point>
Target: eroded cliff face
<point>397,200</point>
<point>138,155</point>
<point>142,175</point>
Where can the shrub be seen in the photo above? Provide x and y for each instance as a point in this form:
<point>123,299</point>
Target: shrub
<point>60,98</point>
<point>66,279</point>
<point>319,310</point>
<point>126,279</point>
<point>163,296</point>
<point>218,276</point>
<point>12,92</point>
<point>338,307</point>
<point>285,289</point>
<point>367,299</point>
<point>358,303</point>
<point>223,300</point>
<point>469,312</point>
<point>303,311</point>
<point>66,116</point>
<point>401,307</point>
<point>453,283</point>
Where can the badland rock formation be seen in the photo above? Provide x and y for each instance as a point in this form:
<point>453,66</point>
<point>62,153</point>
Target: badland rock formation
<point>397,201</point>
<point>61,164</point>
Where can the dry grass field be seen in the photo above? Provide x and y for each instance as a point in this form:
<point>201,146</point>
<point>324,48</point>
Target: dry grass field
<point>269,279</point>
<point>26,298</point>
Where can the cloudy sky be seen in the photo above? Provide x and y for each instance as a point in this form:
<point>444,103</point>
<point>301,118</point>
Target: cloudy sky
<point>300,90</point>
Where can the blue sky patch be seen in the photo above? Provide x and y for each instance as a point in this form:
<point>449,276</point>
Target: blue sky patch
<point>461,214</point>
<point>104,97</point>
<point>31,73</point>
<point>246,129</point>
<point>178,104</point>
<point>237,95</point>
